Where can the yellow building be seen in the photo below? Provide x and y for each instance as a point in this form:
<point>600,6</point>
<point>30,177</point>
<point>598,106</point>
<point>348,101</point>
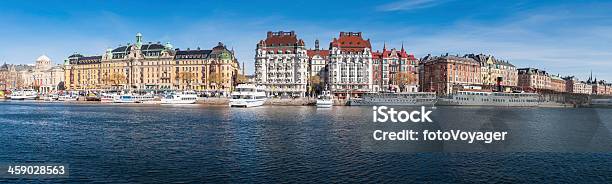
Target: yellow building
<point>153,66</point>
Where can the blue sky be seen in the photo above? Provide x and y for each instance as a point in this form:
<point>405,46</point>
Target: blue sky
<point>565,37</point>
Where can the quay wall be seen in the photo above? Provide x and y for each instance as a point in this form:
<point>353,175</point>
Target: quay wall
<point>571,99</point>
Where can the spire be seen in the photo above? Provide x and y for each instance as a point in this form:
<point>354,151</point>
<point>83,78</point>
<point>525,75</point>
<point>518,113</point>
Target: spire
<point>317,44</point>
<point>403,46</point>
<point>384,46</point>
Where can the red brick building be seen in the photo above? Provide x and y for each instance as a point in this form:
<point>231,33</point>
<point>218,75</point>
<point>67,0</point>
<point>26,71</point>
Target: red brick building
<point>446,74</point>
<point>394,70</point>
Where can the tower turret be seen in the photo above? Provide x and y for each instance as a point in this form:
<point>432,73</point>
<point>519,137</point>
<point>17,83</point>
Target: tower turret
<point>138,39</point>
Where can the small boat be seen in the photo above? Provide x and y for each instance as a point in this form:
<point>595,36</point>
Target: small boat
<point>69,96</point>
<point>185,97</point>
<point>25,94</point>
<point>92,97</point>
<point>325,100</point>
<point>248,95</point>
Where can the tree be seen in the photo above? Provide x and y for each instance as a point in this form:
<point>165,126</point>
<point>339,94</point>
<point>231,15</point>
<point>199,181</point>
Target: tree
<point>214,79</point>
<point>241,79</point>
<point>117,78</point>
<point>187,78</point>
<point>61,86</point>
<point>314,83</point>
<point>404,79</point>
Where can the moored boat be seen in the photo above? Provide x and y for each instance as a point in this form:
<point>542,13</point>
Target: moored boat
<point>69,96</point>
<point>148,98</point>
<point>395,99</point>
<point>248,95</point>
<point>25,94</point>
<point>125,98</point>
<point>185,97</point>
<point>325,100</point>
<point>500,99</point>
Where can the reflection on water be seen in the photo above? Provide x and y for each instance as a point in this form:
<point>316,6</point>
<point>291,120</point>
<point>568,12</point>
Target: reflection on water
<point>117,144</point>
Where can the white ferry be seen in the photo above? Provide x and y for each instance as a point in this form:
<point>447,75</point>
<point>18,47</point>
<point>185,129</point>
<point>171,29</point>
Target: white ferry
<point>248,95</point>
<point>148,98</point>
<point>125,98</point>
<point>395,99</point>
<point>25,94</point>
<point>606,103</point>
<point>476,98</point>
<point>185,97</point>
<point>325,100</point>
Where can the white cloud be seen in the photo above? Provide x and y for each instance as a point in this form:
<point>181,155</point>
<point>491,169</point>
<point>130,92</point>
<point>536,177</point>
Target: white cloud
<point>407,5</point>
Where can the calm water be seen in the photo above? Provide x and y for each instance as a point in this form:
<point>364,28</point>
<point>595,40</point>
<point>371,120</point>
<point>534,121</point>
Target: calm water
<point>192,143</point>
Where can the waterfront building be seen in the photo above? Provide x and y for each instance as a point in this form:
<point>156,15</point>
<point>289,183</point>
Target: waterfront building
<point>573,85</point>
<point>557,84</point>
<point>601,88</point>
<point>447,74</point>
<point>11,77</point>
<point>350,64</point>
<point>495,72</point>
<point>317,61</point>
<point>45,76</point>
<point>394,70</point>
<point>153,66</point>
<point>532,79</point>
<point>82,72</point>
<point>42,76</point>
<point>206,70</point>
<point>281,64</point>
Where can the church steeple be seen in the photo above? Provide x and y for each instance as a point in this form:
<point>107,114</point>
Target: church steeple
<point>317,44</point>
<point>384,46</point>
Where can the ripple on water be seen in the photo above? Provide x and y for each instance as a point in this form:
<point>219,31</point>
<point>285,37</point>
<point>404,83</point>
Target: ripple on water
<point>185,144</point>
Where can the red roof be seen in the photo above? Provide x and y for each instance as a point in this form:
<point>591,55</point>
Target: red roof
<point>376,55</point>
<point>351,42</point>
<point>322,53</point>
<point>281,38</point>
<point>395,53</point>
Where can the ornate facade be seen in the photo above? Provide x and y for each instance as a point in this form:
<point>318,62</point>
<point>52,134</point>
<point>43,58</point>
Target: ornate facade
<point>495,72</point>
<point>153,66</point>
<point>43,76</point>
<point>46,76</point>
<point>531,79</point>
<point>395,70</point>
<point>350,64</point>
<point>281,64</point>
